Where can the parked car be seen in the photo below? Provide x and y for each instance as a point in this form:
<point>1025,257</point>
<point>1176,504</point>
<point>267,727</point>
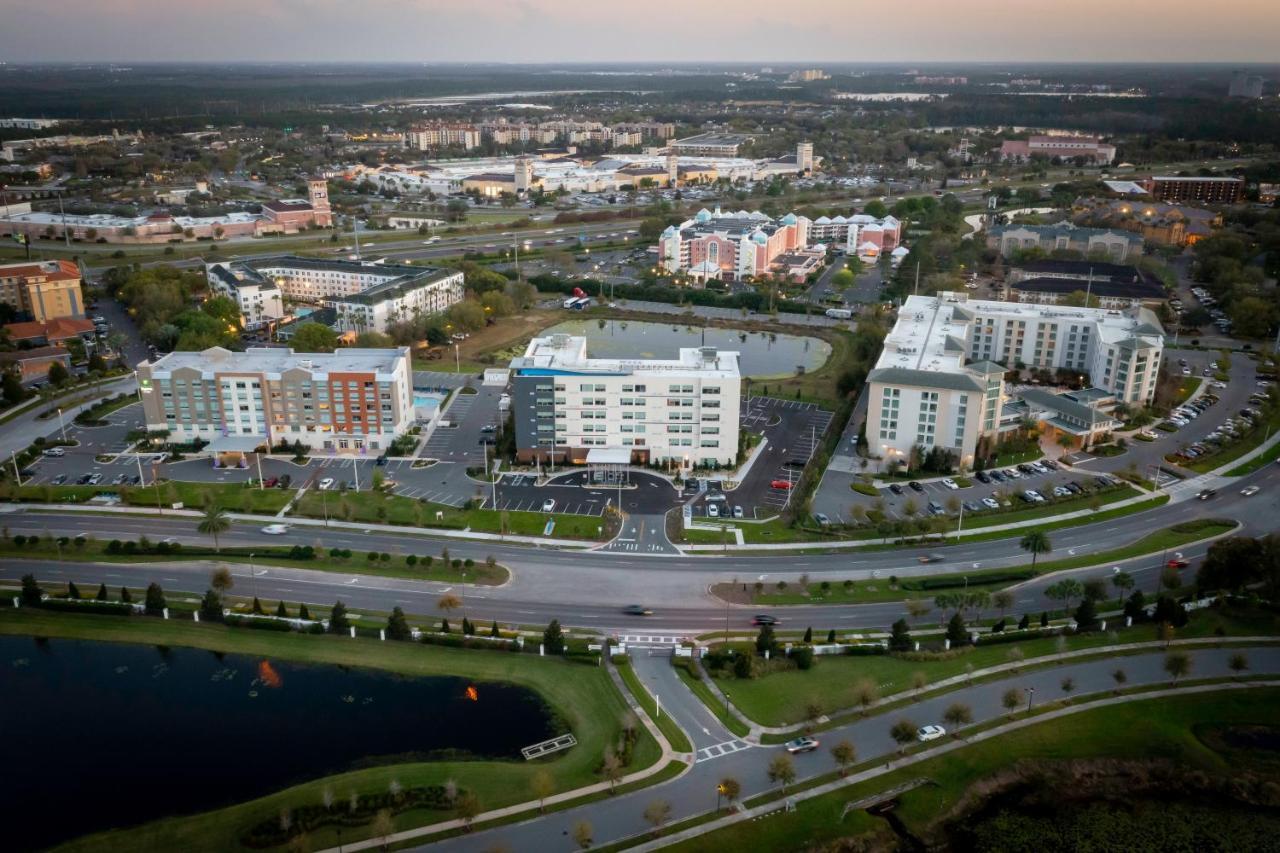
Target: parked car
<point>284,481</point>
<point>59,480</point>
<point>802,744</point>
<point>821,518</point>
<point>550,504</point>
<point>326,484</point>
<point>950,483</point>
<point>915,487</point>
<point>781,484</point>
<point>982,477</point>
<point>95,479</point>
<point>55,451</point>
<point>935,508</point>
<point>990,503</point>
<point>737,512</point>
<point>895,488</point>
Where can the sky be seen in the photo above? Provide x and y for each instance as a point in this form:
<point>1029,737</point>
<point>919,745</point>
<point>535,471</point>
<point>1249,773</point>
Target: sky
<point>554,31</point>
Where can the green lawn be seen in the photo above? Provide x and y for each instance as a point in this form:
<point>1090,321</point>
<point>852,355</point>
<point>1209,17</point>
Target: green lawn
<point>863,592</point>
<point>673,733</point>
<point>713,703</point>
<point>233,497</point>
<point>1167,728</point>
<point>582,696</point>
<point>1271,454</point>
<point>1186,389</point>
<point>781,696</point>
<point>377,507</point>
<point>1232,452</point>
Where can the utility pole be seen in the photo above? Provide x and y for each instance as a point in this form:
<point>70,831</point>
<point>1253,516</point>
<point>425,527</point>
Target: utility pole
<point>917,290</point>
<point>66,235</point>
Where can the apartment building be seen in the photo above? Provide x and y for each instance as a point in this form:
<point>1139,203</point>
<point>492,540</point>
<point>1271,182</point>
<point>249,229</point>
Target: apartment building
<point>441,136</point>
<point>46,290</point>
<point>1116,244</point>
<point>1114,286</point>
<point>709,144</point>
<point>352,401</point>
<point>682,411</point>
<point>366,296</point>
<point>939,381</point>
<point>1200,189</point>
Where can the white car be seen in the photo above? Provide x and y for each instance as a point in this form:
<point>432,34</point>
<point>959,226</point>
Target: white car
<point>950,483</point>
<point>1250,491</point>
<point>713,511</point>
<point>548,505</point>
<point>926,733</point>
<point>990,503</point>
<point>326,484</point>
<point>55,451</point>
<point>1186,371</point>
<point>275,529</point>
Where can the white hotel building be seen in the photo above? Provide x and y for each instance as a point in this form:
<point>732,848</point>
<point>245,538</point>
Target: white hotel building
<point>939,380</point>
<point>683,410</point>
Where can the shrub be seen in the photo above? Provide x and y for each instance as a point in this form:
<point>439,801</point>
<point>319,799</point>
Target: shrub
<point>411,560</point>
<point>803,656</point>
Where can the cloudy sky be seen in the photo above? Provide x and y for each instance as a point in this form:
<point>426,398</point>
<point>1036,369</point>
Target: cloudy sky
<point>640,30</point>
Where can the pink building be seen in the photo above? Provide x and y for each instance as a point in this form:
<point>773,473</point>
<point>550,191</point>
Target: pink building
<point>730,246</point>
<point>1065,147</point>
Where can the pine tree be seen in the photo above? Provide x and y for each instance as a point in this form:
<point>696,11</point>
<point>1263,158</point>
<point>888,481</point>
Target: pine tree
<point>553,638</point>
<point>73,591</point>
<point>493,631</point>
<point>831,636</point>
<point>102,592</point>
<point>1086,615</point>
<point>338,623</point>
<point>281,611</point>
<point>444,625</point>
<point>1024,622</point>
<point>31,591</point>
<point>125,595</point>
<point>398,626</point>
<point>257,606</point>
<point>155,603</point>
<point>303,612</point>
<point>211,606</point>
<point>808,634</point>
<point>1044,620</point>
<point>956,632</point>
<point>900,637</point>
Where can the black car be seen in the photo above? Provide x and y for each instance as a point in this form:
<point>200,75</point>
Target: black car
<point>895,488</point>
<point>637,610</point>
<point>380,461</point>
<point>795,463</point>
<point>915,487</point>
<point>84,479</point>
<point>981,477</point>
<point>1050,464</point>
<point>998,476</point>
<point>284,481</point>
<point>764,619</point>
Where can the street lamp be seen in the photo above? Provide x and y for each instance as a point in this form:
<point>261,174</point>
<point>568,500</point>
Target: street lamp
<point>61,425</point>
<point>1031,694</point>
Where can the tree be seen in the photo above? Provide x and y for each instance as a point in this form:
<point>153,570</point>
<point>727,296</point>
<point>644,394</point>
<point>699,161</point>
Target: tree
<point>1238,663</point>
<point>729,788</point>
<point>211,606</point>
<point>1177,664</point>
<point>221,580</point>
<point>58,374</point>
<point>657,813</point>
<point>1035,543</point>
<point>553,638</point>
<point>1169,611</point>
<point>1086,615</point>
<point>1119,677</point>
<point>213,522</point>
<point>611,768</point>
<point>154,605</point>
<point>102,593</point>
<point>125,595</point>
<point>1011,699</point>
<point>956,631</point>
<point>338,622</point>
<point>256,609</point>
<point>303,612</point>
<point>314,337</point>
<point>1003,600</point>
<point>1068,685</point>
<point>765,641</point>
<point>808,635</point>
<point>957,714</point>
<point>398,626</point>
<point>382,827</point>
<point>865,693</point>
<point>31,591</point>
<point>542,785</point>
<point>448,603</point>
<point>282,612</point>
<point>467,806</point>
<point>782,770</point>
<point>1095,589</point>
<point>73,591</point>
<point>900,637</point>
<point>844,754</point>
<point>582,835</point>
<point>903,733</point>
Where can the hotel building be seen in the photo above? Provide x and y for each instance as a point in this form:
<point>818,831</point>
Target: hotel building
<point>348,401</point>
<point>47,290</point>
<point>683,410</point>
<point>939,381</point>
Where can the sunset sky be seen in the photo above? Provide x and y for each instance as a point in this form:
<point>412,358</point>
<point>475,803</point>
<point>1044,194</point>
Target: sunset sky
<point>1234,31</point>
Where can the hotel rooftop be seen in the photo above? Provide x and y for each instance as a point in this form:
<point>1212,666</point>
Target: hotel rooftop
<point>274,361</point>
<point>567,355</point>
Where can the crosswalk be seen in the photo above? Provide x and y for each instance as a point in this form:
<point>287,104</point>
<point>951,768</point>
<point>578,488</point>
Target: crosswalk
<point>719,750</point>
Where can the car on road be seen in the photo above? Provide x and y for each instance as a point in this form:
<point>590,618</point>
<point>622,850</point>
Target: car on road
<point>950,483</point>
<point>1178,563</point>
<point>276,529</point>
<point>764,619</point>
<point>637,610</point>
<point>926,733</point>
<point>1205,494</point>
<point>781,484</point>
<point>930,558</point>
<point>549,505</point>
<point>1250,491</point>
<point>915,487</point>
<point>895,488</point>
<point>802,744</point>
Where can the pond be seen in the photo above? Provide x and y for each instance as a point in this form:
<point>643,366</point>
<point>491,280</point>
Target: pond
<point>106,734</point>
<point>763,354</point>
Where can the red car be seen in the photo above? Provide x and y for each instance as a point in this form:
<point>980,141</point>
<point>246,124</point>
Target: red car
<point>781,484</point>
<point>1178,564</point>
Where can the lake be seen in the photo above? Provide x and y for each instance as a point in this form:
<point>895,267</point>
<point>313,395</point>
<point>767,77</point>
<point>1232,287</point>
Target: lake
<point>763,354</point>
<point>106,734</point>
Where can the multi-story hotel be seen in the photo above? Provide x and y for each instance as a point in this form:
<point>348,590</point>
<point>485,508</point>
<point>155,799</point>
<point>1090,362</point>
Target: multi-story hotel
<point>1201,189</point>
<point>367,296</point>
<point>442,135</point>
<point>939,382</point>
<point>683,411</point>
<point>46,290</point>
<point>348,401</point>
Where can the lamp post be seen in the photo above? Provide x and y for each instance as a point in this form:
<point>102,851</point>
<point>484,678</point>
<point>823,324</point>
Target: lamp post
<point>61,425</point>
<point>1031,694</point>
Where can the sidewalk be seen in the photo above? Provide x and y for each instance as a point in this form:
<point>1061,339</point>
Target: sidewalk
<point>532,806</point>
<point>928,754</point>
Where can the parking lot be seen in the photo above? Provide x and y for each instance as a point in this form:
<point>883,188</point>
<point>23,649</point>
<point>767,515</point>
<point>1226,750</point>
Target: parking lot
<point>471,419</point>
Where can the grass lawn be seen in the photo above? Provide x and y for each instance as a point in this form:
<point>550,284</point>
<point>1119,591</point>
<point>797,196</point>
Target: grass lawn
<point>781,696</point>
<point>1167,731</point>
<point>1186,389</point>
<point>674,734</point>
<point>233,497</point>
<point>582,696</point>
<point>1004,460</point>
<point>1262,460</point>
<point>95,550</point>
<point>377,507</point>
<point>862,592</point>
<point>713,703</point>
<point>1232,452</point>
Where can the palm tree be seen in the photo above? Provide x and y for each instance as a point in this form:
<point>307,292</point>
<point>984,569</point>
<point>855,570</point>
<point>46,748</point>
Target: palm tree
<point>213,522</point>
<point>1035,543</point>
